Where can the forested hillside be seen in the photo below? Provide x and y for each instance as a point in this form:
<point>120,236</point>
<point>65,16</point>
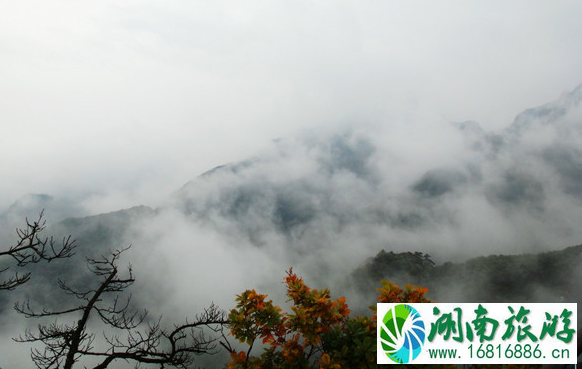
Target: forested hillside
<point>552,276</point>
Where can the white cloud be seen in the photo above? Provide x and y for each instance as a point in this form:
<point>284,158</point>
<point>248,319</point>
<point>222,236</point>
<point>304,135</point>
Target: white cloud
<point>104,96</point>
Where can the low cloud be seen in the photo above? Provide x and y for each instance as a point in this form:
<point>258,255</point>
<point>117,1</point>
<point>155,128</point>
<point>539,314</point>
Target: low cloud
<point>323,202</point>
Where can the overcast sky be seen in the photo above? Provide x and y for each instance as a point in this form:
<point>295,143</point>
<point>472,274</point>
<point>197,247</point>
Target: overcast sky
<point>129,100</point>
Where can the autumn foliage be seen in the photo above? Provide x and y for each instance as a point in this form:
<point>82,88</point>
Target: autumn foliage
<point>317,332</point>
<point>390,293</point>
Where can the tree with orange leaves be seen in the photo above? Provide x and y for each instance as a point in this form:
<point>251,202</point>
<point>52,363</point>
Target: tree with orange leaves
<point>317,333</point>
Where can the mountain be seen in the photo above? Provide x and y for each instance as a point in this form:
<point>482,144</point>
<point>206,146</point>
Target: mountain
<point>518,188</point>
<point>29,206</point>
<point>324,202</point>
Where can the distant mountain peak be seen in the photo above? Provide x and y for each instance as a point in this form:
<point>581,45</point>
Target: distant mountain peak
<point>547,113</point>
<point>30,204</point>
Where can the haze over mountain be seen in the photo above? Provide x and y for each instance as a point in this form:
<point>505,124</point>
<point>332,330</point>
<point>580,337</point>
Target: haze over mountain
<point>339,197</point>
<point>325,202</point>
<point>510,191</point>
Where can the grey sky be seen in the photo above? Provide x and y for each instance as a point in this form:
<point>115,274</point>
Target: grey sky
<point>129,100</point>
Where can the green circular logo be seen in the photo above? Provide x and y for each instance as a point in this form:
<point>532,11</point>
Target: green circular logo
<point>402,333</point>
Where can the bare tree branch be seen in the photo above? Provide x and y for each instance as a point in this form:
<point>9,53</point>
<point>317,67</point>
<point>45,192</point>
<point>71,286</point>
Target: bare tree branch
<point>31,248</point>
<point>14,280</point>
<point>64,344</point>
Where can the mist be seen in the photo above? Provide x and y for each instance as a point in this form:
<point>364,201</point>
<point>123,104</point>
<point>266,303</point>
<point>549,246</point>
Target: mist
<point>119,105</point>
<point>324,201</point>
<point>227,143</point>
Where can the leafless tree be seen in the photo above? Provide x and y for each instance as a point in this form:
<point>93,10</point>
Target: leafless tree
<point>128,336</point>
<point>31,248</point>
